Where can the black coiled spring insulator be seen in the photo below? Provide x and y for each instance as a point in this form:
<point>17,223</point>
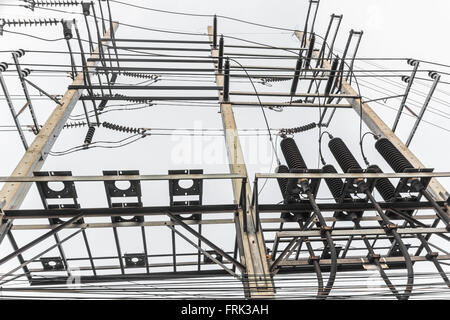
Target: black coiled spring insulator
<point>119,128</point>
<point>383,185</point>
<point>335,185</point>
<point>392,155</point>
<point>343,155</point>
<point>307,127</point>
<point>282,183</point>
<point>292,154</point>
<point>89,136</point>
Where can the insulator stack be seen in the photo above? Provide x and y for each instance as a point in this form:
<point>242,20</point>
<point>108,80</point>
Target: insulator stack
<point>310,126</point>
<point>141,75</point>
<point>75,125</point>
<point>220,60</point>
<point>226,81</point>
<point>52,3</point>
<point>89,136</point>
<point>215,32</point>
<point>26,72</point>
<point>383,185</point>
<point>343,155</point>
<point>282,183</point>
<point>117,127</point>
<point>86,8</point>
<point>67,29</point>
<point>292,155</point>
<point>29,22</point>
<point>298,68</point>
<point>335,185</point>
<point>312,41</point>
<point>392,155</point>
<point>3,66</point>
<point>275,79</point>
<point>19,53</point>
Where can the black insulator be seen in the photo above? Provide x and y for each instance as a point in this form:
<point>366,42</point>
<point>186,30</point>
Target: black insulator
<point>26,72</point>
<point>274,79</point>
<point>335,185</point>
<point>331,77</point>
<point>86,8</point>
<point>226,81</point>
<point>19,53</point>
<point>343,155</point>
<point>297,72</point>
<point>215,31</point>
<point>282,183</point>
<point>28,22</point>
<point>67,29</point>
<point>434,75</point>
<point>310,51</point>
<point>412,62</point>
<point>220,61</point>
<point>292,154</point>
<point>392,155</point>
<point>75,124</point>
<point>304,128</point>
<point>89,135</point>
<point>383,185</point>
<point>141,75</point>
<point>53,3</point>
<point>116,127</point>
<point>406,79</point>
<point>3,66</point>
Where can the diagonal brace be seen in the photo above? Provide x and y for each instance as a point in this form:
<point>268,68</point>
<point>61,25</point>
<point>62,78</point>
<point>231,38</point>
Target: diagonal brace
<point>43,92</point>
<point>40,239</point>
<point>206,241</point>
<point>204,252</point>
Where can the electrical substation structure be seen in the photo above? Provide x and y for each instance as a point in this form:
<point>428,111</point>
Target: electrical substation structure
<point>371,224</point>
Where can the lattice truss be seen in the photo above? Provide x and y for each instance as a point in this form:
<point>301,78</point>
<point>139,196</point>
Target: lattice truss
<point>334,229</point>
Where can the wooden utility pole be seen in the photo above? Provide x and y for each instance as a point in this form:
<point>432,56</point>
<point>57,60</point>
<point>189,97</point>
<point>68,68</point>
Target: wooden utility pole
<point>253,251</point>
<point>13,193</point>
<point>378,127</point>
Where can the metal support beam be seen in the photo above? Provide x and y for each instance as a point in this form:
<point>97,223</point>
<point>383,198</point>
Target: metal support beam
<point>13,112</point>
<point>20,72</point>
<point>415,64</point>
<point>253,255</point>
<point>436,77</point>
<point>39,239</point>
